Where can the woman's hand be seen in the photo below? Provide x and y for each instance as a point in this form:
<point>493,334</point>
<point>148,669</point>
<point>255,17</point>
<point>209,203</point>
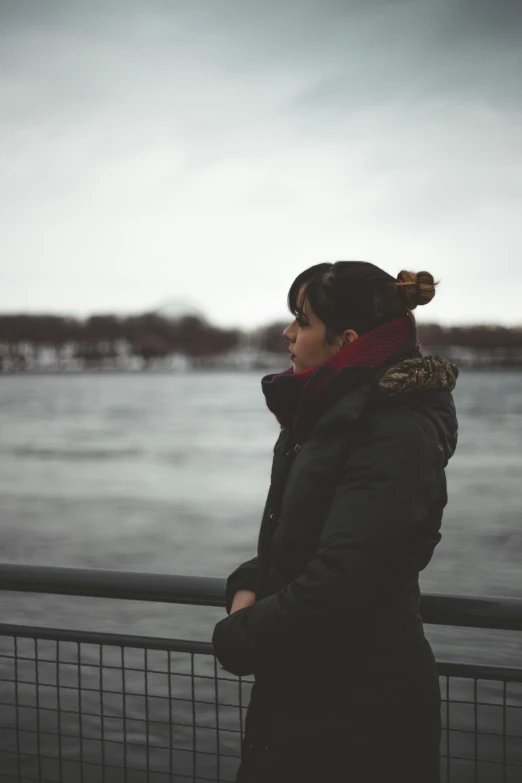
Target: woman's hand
<point>233,646</point>
<point>242,599</point>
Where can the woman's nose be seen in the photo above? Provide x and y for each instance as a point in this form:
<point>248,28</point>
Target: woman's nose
<point>286,333</point>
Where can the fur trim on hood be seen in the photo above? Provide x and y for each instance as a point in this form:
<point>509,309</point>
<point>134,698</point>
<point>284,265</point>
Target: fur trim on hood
<point>423,374</point>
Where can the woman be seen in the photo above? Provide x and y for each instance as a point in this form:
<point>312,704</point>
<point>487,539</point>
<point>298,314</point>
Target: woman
<point>326,616</point>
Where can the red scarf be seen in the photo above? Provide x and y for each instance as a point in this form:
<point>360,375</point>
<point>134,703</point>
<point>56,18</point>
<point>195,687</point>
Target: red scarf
<point>298,399</point>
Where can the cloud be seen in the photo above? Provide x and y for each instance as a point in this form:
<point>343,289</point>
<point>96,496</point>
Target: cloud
<point>189,148</point>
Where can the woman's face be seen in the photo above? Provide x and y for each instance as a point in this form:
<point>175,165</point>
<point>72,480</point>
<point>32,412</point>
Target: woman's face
<point>307,339</point>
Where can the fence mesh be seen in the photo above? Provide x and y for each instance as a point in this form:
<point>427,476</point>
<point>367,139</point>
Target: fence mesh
<point>129,710</point>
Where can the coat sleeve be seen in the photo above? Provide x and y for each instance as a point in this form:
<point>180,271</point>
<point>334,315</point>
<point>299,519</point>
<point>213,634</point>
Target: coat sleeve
<point>243,578</point>
<point>380,498</point>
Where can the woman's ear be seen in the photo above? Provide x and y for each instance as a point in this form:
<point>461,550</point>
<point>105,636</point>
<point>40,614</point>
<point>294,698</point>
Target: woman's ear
<point>349,336</point>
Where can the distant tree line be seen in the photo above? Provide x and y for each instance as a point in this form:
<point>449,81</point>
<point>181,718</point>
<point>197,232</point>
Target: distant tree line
<point>100,336</point>
<point>271,338</point>
<point>151,336</point>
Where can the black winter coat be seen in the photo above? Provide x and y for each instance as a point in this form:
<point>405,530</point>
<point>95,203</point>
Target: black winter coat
<point>346,685</point>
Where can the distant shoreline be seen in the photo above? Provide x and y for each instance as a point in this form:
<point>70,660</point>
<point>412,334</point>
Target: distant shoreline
<point>221,370</point>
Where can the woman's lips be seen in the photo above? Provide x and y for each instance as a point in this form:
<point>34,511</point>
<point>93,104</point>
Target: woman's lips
<point>292,356</point>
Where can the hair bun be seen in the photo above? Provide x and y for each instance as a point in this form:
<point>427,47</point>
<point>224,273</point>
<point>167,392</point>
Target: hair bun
<point>418,288</point>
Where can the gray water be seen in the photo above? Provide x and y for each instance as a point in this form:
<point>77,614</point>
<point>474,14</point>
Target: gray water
<point>169,473</point>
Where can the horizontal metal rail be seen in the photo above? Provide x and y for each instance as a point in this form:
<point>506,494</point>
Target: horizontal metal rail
<point>445,668</point>
<point>501,613</point>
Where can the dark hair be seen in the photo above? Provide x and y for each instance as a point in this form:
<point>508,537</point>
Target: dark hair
<point>358,295</point>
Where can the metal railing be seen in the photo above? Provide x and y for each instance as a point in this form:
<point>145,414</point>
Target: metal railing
<point>90,707</point>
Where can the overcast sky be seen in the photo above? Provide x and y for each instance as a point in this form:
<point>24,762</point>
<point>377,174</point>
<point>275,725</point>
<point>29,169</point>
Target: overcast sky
<point>210,150</point>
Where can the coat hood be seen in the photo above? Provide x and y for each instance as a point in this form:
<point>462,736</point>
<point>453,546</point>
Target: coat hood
<point>425,384</point>
<point>422,374</point>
